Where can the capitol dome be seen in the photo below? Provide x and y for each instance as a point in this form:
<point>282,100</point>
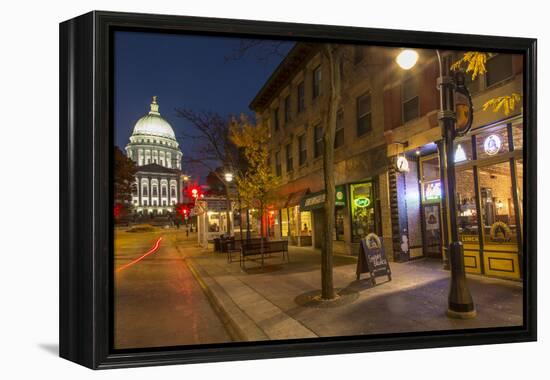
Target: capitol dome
<point>153,124</point>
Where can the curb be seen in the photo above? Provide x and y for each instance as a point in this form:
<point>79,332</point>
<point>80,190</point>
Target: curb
<point>239,326</point>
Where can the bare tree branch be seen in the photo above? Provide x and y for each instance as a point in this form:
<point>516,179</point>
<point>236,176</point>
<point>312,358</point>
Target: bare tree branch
<point>212,135</point>
<point>262,50</point>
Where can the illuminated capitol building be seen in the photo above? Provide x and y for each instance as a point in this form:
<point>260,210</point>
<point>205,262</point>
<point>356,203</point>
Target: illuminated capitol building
<point>155,150</point>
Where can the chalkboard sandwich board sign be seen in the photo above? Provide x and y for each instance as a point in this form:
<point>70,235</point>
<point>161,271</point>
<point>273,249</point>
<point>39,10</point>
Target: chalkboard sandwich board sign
<point>372,258</point>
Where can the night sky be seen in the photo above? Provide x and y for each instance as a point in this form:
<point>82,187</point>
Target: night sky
<point>184,72</point>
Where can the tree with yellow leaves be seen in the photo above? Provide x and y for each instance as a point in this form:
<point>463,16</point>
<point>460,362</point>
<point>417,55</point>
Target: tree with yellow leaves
<point>256,185</point>
<point>474,63</point>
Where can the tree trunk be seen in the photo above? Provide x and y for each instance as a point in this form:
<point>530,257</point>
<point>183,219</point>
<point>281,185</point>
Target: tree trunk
<point>333,101</point>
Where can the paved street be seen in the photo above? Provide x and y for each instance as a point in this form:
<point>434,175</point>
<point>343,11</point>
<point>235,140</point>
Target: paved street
<point>158,302</point>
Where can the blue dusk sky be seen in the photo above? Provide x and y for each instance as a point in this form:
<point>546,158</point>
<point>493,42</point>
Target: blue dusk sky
<point>183,71</point>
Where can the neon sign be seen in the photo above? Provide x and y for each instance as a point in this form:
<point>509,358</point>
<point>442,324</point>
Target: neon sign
<point>362,202</point>
<point>460,155</point>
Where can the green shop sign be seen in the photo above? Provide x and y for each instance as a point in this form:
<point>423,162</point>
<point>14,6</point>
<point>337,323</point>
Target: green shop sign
<point>317,200</point>
<point>361,202</point>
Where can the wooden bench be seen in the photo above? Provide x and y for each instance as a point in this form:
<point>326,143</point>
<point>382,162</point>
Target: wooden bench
<point>269,247</point>
<point>232,245</point>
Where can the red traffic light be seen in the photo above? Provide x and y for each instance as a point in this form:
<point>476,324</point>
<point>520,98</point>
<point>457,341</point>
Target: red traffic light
<point>182,210</point>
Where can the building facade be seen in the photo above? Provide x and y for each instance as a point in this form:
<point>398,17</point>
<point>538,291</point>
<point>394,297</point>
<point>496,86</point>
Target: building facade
<point>155,150</point>
<point>387,157</point>
<point>292,103</point>
<point>489,170</point>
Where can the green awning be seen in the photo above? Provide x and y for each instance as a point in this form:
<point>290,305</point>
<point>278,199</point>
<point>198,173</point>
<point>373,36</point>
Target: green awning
<point>317,200</point>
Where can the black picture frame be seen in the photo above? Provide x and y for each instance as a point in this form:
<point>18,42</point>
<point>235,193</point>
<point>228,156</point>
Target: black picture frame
<point>86,140</point>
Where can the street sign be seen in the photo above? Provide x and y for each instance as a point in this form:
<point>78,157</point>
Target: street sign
<point>317,200</point>
<point>372,258</point>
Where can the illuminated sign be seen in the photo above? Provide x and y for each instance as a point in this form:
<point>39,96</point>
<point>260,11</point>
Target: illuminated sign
<point>362,202</point>
<point>460,155</point>
<point>432,190</point>
<point>492,145</point>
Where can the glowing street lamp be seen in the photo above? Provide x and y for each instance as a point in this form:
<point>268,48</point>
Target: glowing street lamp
<point>228,176</point>
<point>453,97</point>
<point>407,59</point>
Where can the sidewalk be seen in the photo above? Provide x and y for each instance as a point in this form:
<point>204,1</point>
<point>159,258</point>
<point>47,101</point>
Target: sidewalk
<point>267,303</point>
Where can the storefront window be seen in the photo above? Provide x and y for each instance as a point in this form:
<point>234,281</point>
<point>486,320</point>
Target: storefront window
<point>339,223</point>
<point>430,169</point>
<point>213,221</point>
<point>292,211</point>
<point>466,207</point>
<point>492,143</point>
<point>362,210</point>
<point>497,205</point>
<point>431,183</point>
<point>305,220</point>
<point>519,174</point>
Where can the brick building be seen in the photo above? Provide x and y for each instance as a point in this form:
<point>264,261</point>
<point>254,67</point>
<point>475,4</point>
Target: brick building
<point>387,122</point>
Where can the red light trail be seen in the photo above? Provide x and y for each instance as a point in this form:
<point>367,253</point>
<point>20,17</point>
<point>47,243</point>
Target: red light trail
<point>151,251</point>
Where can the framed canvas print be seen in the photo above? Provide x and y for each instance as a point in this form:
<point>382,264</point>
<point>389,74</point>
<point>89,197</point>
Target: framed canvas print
<point>238,189</point>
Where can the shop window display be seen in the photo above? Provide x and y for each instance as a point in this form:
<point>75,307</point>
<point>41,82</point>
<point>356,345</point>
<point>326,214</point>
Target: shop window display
<point>305,220</point>
<point>497,205</point>
<point>362,210</point>
<point>466,207</point>
<point>339,223</point>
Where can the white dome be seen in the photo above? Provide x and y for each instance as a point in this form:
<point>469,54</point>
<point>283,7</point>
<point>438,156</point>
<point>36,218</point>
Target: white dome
<point>153,124</point>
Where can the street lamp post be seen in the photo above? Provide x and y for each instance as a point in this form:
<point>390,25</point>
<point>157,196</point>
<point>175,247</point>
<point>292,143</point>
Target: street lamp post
<point>185,180</point>
<point>460,302</point>
<point>228,178</point>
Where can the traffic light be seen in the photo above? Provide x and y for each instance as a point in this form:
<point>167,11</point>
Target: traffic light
<point>195,192</point>
<point>182,210</point>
